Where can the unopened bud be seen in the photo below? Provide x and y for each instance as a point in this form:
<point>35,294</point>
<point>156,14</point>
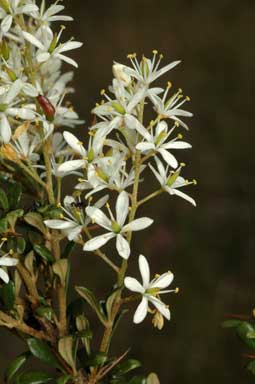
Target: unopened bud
<point>121,75</point>
<point>158,320</point>
<point>47,107</point>
<point>5,5</point>
<point>11,74</point>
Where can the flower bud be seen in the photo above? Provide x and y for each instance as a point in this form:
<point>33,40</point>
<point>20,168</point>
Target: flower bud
<point>120,74</point>
<point>47,107</point>
<point>158,320</point>
<point>12,75</point>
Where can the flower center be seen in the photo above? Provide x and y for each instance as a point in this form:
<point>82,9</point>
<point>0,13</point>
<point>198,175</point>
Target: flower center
<point>116,227</point>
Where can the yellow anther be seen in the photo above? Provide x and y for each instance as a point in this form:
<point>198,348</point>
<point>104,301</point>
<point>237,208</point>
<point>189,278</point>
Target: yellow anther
<point>61,216</point>
<point>59,205</point>
<point>90,198</point>
<point>71,109</point>
<point>161,56</point>
<point>91,133</point>
<point>155,52</point>
<point>176,123</point>
<point>4,239</point>
<point>194,181</point>
<point>187,98</point>
<point>107,205</point>
<point>102,92</point>
<point>81,180</point>
<point>180,136</point>
<point>169,84</point>
<point>97,105</point>
<point>187,182</point>
<point>11,252</point>
<point>152,123</point>
<point>183,164</point>
<point>180,90</point>
<point>79,142</point>
<point>62,26</point>
<point>177,290</point>
<point>157,276</point>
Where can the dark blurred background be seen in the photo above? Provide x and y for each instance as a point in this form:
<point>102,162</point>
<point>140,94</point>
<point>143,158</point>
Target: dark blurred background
<point>211,248</point>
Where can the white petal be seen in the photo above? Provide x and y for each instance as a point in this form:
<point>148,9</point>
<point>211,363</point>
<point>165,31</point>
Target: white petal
<point>141,311</point>
<point>21,113</point>
<point>4,276</point>
<point>99,217</point>
<point>168,157</point>
<point>71,165</point>
<point>133,285</point>
<point>123,247</point>
<point>163,281</point>
<point>165,69</point>
<point>74,143</point>
<point>30,90</point>
<point>33,40</point>
<point>133,123</point>
<point>122,205</point>
<point>145,146</point>
<point>59,224</point>
<point>177,145</point>
<point>161,307</point>
<point>6,23</point>
<point>181,194</point>
<point>13,91</point>
<point>5,129</point>
<point>42,57</point>
<point>97,242</point>
<point>66,59</point>
<point>69,46</point>
<point>138,224</point>
<point>8,261</point>
<point>144,270</point>
<point>73,235</point>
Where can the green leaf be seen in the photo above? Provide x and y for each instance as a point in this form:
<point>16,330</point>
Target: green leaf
<point>7,295</point>
<point>3,226</point>
<point>4,200</point>
<point>63,379</point>
<point>14,194</point>
<point>42,351</point>
<point>35,220</point>
<point>13,216</point>
<point>34,378</point>
<point>15,366</point>
<point>90,298</point>
<point>243,330</point>
<point>35,237</point>
<point>251,367</point>
<point>66,351</point>
<point>20,245</point>
<point>96,359</point>
<point>44,252</point>
<point>231,323</point>
<point>127,366</point>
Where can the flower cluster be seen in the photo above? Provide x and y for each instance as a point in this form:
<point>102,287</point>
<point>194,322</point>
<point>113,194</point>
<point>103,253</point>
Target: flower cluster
<point>121,147</point>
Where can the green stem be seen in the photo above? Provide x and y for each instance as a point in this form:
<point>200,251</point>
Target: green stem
<point>150,196</point>
<point>46,155</point>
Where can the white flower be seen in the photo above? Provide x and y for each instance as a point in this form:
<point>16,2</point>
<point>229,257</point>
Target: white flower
<point>12,8</point>
<point>49,15</point>
<point>158,143</point>
<point>8,108</point>
<point>115,227</point>
<point>6,261</point>
<point>148,70</point>
<point>171,108</point>
<point>47,49</point>
<point>172,181</point>
<point>120,74</point>
<point>150,291</point>
<point>75,220</point>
